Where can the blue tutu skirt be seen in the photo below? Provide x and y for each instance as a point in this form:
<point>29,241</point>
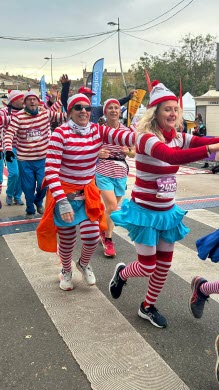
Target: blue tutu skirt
<point>147,226</point>
<point>79,214</point>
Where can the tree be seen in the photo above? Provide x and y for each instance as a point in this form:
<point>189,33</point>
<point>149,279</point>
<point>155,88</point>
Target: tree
<point>194,62</point>
<point>111,89</point>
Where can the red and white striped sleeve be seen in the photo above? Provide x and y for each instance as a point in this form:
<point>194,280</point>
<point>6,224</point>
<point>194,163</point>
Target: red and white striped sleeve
<point>152,146</point>
<point>56,106</point>
<point>10,132</point>
<point>4,118</point>
<point>53,164</point>
<point>118,137</point>
<point>54,115</point>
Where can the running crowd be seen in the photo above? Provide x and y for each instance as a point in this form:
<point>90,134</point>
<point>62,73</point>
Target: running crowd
<point>82,171</point>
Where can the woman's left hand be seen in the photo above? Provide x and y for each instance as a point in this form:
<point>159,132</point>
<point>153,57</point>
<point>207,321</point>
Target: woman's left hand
<point>68,217</point>
<point>66,211</point>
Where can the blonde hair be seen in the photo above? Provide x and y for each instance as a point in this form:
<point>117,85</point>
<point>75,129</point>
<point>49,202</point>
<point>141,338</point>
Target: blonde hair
<point>148,123</point>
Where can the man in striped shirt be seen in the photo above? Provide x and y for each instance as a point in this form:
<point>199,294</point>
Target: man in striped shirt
<point>31,127</point>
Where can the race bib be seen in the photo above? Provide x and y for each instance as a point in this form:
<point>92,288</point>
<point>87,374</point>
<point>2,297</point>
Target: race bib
<point>33,135</point>
<point>166,187</point>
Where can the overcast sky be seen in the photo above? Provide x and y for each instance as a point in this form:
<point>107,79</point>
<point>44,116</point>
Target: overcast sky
<point>55,18</point>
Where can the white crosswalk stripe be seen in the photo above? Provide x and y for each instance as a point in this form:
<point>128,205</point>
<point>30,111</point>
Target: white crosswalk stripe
<point>206,217</point>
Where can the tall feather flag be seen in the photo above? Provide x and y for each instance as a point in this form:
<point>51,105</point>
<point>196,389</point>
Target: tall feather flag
<point>97,76</point>
<point>148,81</point>
<point>180,94</point>
<point>134,104</point>
<point>43,89</point>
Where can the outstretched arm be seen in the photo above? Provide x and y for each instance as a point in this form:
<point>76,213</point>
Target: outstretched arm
<point>118,137</point>
<point>200,141</point>
<point>150,145</point>
<point>126,99</point>
<point>65,89</point>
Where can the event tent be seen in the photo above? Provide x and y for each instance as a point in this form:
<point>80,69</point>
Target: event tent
<point>189,110</point>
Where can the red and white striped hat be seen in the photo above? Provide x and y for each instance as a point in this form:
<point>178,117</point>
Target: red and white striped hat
<point>160,94</point>
<point>78,97</point>
<point>31,93</point>
<point>14,95</point>
<point>109,101</point>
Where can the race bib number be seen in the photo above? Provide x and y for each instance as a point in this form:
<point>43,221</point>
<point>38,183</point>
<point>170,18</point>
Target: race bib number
<point>166,187</point>
<point>33,135</point>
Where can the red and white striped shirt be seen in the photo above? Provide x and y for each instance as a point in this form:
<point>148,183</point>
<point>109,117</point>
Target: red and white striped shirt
<point>32,132</point>
<point>112,167</point>
<point>155,160</point>
<point>72,155</point>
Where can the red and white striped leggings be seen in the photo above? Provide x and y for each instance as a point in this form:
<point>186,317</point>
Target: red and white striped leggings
<point>153,262</point>
<point>89,232</point>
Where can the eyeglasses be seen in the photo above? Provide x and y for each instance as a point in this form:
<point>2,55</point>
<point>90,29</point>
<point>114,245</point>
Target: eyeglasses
<point>79,107</point>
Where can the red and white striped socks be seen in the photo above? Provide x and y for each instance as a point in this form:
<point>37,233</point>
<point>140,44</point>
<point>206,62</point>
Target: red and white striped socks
<point>209,288</point>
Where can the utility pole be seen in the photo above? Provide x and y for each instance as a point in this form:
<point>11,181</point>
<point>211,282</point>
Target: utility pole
<point>50,58</point>
<point>120,60</point>
<point>119,50</point>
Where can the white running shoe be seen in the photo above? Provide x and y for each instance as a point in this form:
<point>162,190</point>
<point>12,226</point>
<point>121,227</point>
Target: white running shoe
<point>66,282</point>
<point>87,272</point>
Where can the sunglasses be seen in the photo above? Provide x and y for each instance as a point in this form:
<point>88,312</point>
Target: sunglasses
<point>79,107</point>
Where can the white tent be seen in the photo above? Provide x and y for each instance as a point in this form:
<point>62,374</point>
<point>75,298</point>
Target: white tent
<point>188,107</point>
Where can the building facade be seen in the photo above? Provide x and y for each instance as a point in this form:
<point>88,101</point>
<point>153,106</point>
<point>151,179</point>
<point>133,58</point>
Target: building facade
<point>208,106</point>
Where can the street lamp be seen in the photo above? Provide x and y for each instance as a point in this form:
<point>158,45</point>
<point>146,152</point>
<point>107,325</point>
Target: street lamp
<point>120,61</point>
<point>50,58</point>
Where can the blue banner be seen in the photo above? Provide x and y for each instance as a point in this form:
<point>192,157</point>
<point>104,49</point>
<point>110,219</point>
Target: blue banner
<point>43,89</point>
<point>97,81</point>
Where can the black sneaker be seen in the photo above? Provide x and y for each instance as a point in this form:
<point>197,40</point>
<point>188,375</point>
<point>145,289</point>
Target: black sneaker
<point>197,299</point>
<point>116,284</point>
<point>40,210</point>
<point>152,314</point>
<point>217,361</point>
